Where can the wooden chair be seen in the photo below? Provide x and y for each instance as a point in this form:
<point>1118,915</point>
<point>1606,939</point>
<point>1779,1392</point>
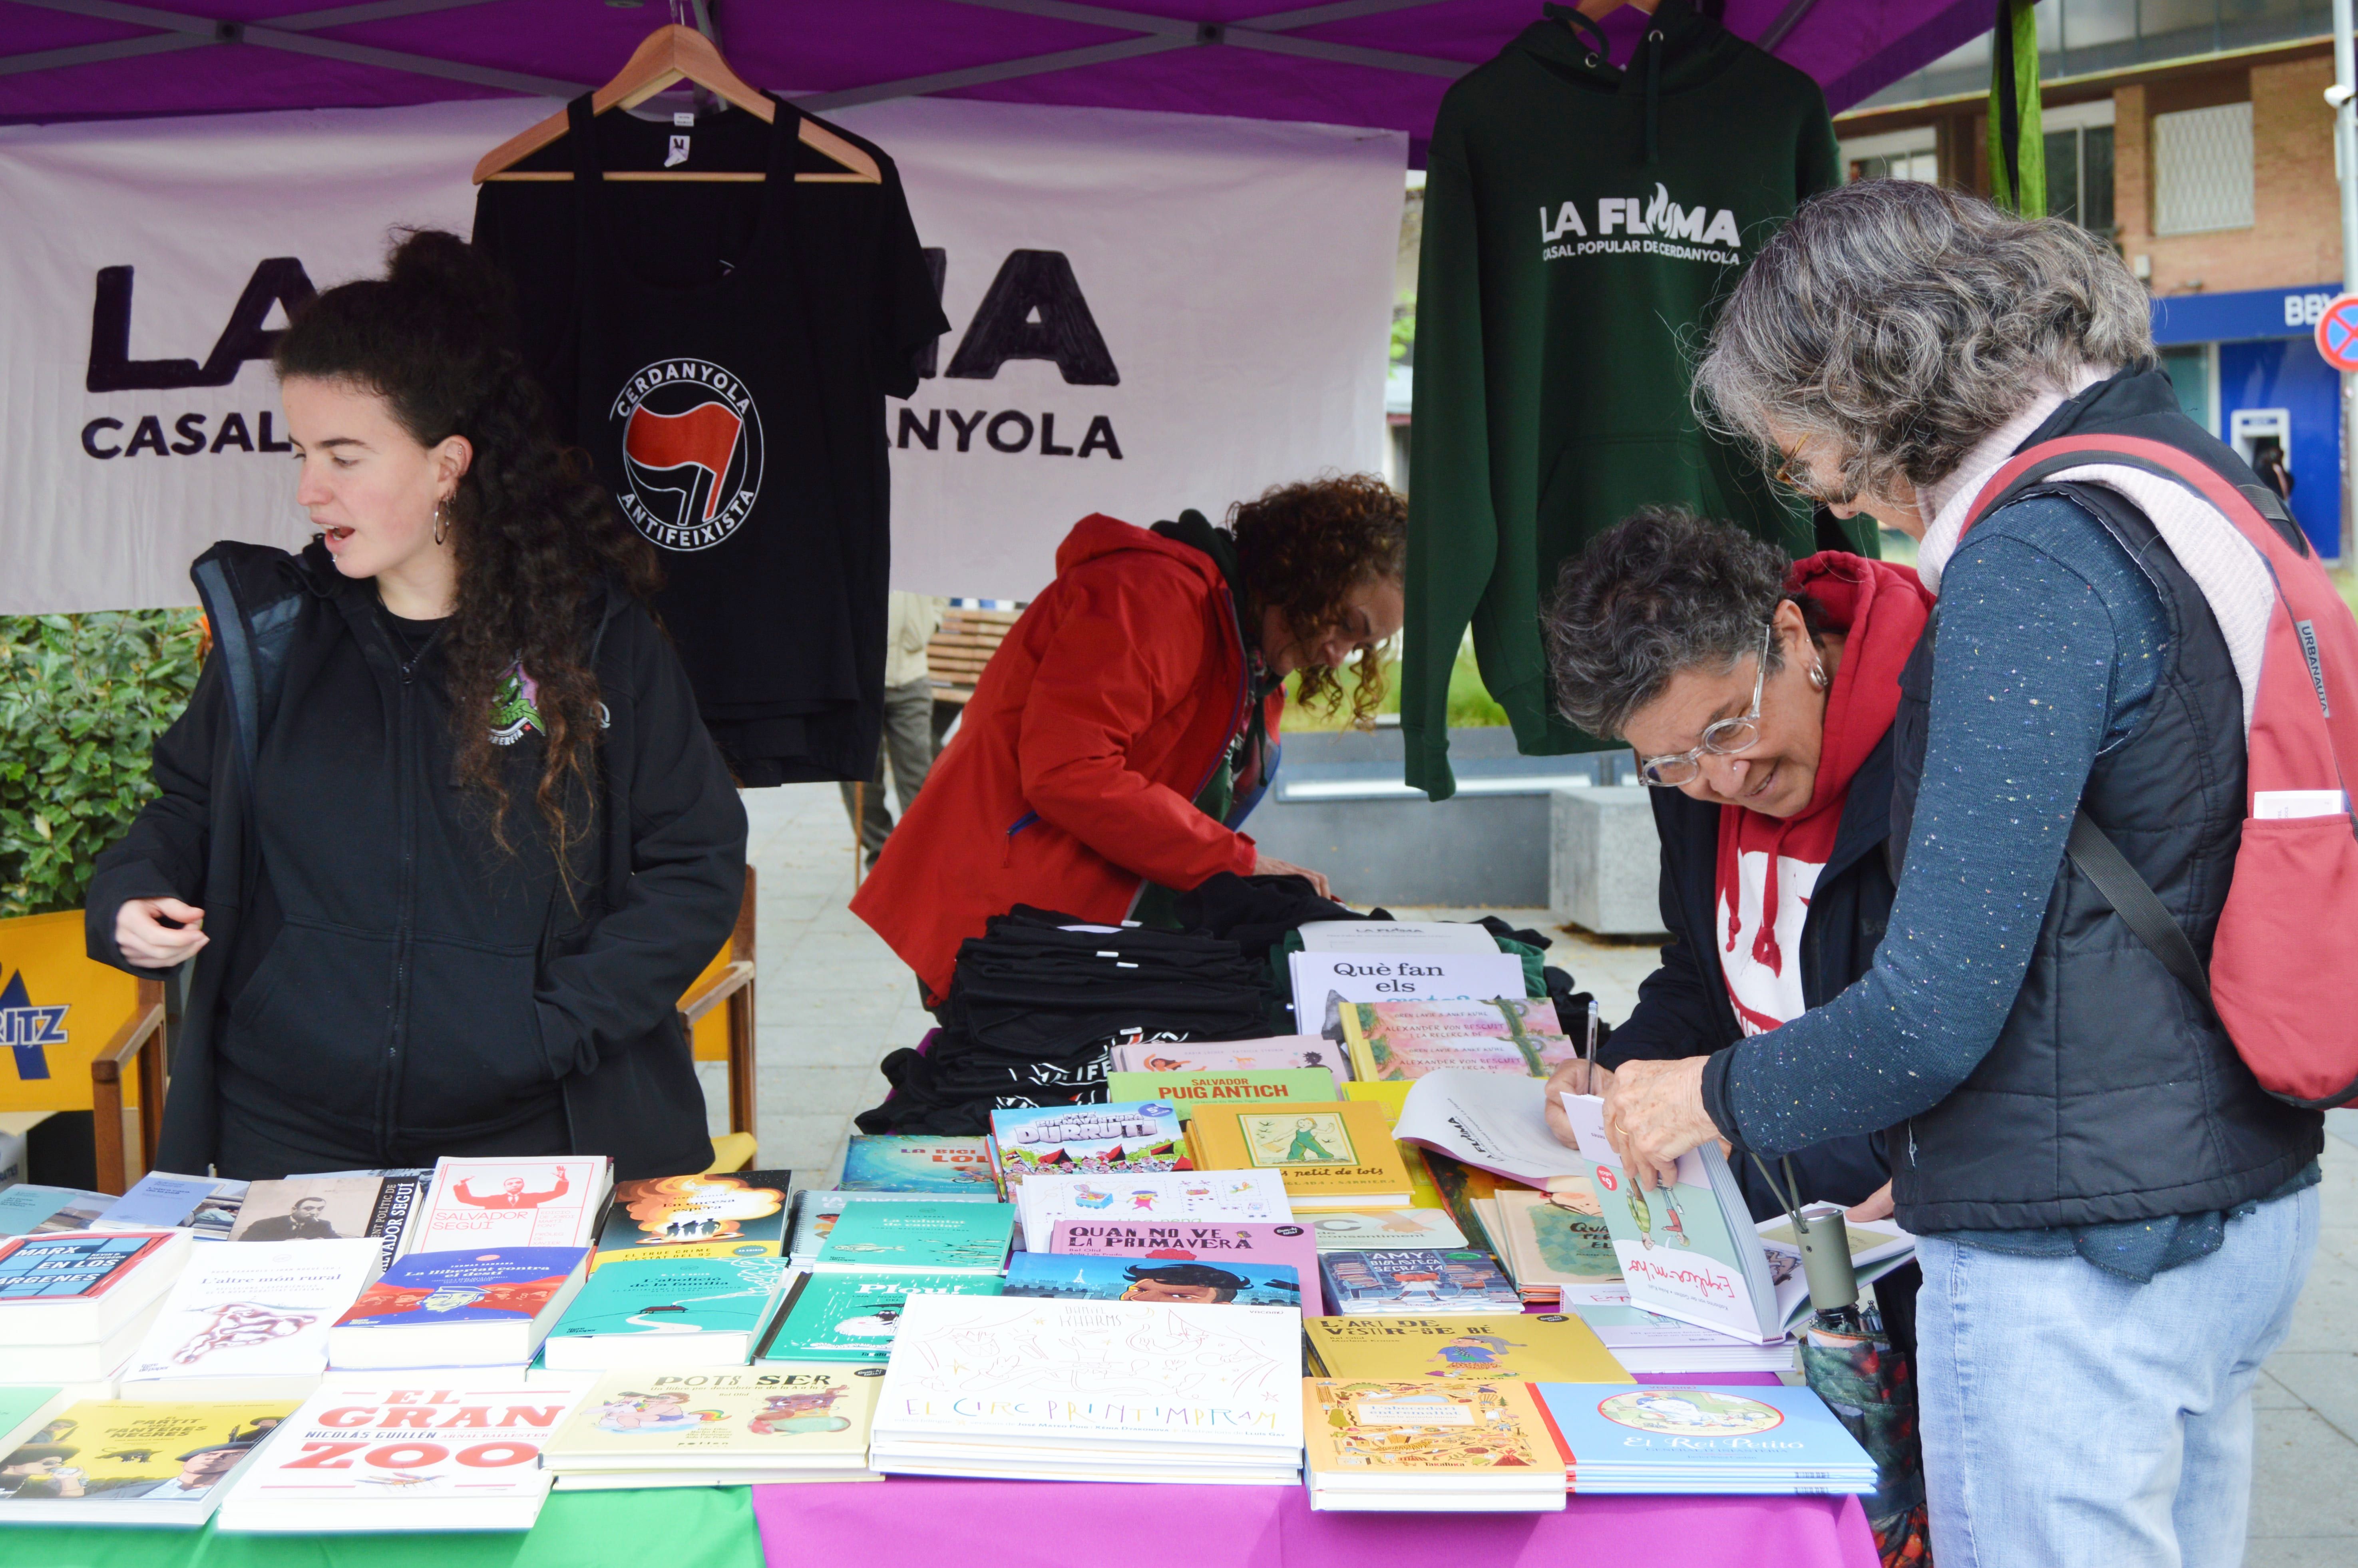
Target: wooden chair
<point>726,984</point>
<point>142,1047</point>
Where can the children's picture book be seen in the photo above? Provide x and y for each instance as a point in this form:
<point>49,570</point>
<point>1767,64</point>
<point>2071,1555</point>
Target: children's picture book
<point>135,1461</point>
<point>1702,1439</point>
<point>1325,982</point>
<point>942,1238</point>
<point>1221,1242</point>
<point>206,1206</point>
<point>887,1162</point>
<point>1070,1277</point>
<point>552,1202</point>
<point>854,1317</point>
<point>332,1209</point>
<point>458,1450</point>
<point>667,1312</point>
<point>1689,1250</point>
<point>26,1208</point>
<point>1025,1387</point>
<point>459,1309</point>
<point>250,1322</point>
<point>1138,1195</point>
<point>1377,1229</point>
<point>739,1215</point>
<point>1098,1139</point>
<point>1511,1347</point>
<point>1402,1041</point>
<point>1557,1237</point>
<point>1409,1282</point>
<point>1396,936</point>
<point>1285,1052</point>
<point>1331,1153</point>
<point>719,1427</point>
<point>1185,1091</point>
<point>1421,1446</point>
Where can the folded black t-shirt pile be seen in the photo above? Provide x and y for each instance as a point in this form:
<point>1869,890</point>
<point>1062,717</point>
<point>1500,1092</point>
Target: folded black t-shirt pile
<point>1034,1007</point>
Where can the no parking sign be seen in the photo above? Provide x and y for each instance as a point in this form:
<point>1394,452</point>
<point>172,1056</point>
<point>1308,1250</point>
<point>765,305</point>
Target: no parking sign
<point>2337,334</point>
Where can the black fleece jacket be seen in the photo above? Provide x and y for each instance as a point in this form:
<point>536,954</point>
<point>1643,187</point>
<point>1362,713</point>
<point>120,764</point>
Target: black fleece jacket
<point>1683,1008</point>
<point>380,970</point>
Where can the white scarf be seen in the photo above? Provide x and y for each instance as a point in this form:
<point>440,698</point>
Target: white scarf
<point>2224,564</point>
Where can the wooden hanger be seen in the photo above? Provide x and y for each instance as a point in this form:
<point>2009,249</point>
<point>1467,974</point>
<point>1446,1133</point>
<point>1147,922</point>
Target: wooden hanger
<point>1597,10</point>
<point>677,54</point>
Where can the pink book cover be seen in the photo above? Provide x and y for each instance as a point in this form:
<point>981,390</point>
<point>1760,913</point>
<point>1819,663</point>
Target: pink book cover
<point>1210,1241</point>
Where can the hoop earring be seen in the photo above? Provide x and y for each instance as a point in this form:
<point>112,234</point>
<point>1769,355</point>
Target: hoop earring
<point>1818,677</point>
<point>441,521</point>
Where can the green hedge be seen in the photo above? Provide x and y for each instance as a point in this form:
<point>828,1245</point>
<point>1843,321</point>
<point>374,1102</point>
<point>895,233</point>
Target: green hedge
<point>82,699</point>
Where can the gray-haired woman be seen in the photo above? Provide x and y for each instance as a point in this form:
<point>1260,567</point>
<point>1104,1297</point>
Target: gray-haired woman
<point>2116,1219</point>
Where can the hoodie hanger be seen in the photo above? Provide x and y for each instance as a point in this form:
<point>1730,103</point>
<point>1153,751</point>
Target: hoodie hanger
<point>1597,10</point>
<point>678,54</point>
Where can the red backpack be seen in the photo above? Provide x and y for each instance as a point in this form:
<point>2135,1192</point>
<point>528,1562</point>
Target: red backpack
<point>2284,963</point>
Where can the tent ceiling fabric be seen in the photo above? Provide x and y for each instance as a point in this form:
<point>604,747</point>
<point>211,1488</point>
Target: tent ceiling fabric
<point>1380,63</point>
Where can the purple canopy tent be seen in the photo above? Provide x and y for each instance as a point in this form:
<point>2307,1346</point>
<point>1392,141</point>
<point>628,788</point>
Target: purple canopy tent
<point>1354,62</point>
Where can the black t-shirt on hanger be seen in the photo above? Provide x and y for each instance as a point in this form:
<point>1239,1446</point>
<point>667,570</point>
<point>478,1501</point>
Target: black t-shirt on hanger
<point>723,350</point>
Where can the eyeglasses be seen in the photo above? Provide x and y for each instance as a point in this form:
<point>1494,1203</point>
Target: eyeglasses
<point>1787,479</point>
<point>1725,738</point>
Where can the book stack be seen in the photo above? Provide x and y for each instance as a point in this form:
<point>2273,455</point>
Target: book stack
<point>1326,981</point>
<point>1074,1278</point>
<point>1703,1440</point>
<point>250,1322</point>
<point>1413,1283</point>
<point>1551,1240</point>
<point>1219,1244</point>
<point>1403,1041</point>
<point>812,1213</point>
<point>876,1251</point>
<point>74,1303</point>
<point>1453,1447</point>
<point>1093,1390</point>
<point>1139,1196</point>
<point>718,1428</point>
<point>1186,1090</point>
<point>488,1308</point>
<point>446,1454</point>
<point>125,1462</point>
<point>1284,1052</point>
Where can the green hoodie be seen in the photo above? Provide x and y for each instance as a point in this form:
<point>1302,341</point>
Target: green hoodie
<point>1581,223</point>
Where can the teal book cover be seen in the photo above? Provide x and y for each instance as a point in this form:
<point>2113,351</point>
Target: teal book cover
<point>952,1238</point>
<point>908,1165</point>
<point>853,1317</point>
<point>676,1296</point>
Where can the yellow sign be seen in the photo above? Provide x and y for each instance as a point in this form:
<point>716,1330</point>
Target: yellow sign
<point>58,1010</point>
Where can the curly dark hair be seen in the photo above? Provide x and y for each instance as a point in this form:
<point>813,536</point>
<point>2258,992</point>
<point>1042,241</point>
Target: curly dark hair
<point>1659,591</point>
<point>534,534</point>
<point>1304,548</point>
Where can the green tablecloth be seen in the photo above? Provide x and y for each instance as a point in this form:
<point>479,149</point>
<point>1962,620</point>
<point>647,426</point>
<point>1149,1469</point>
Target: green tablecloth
<point>672,1527</point>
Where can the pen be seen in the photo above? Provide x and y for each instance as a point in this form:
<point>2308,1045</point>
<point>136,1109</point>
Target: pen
<point>1592,1045</point>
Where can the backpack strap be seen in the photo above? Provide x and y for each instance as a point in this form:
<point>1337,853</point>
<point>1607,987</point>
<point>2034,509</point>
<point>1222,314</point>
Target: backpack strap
<point>2133,899</point>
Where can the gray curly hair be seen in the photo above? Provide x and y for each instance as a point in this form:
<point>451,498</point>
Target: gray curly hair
<point>1900,323</point>
<point>1659,591</point>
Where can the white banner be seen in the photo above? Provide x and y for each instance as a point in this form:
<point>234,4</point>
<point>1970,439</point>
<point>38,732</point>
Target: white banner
<point>1148,312</point>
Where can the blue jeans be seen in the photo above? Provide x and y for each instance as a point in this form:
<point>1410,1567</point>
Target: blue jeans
<point>2071,1417</point>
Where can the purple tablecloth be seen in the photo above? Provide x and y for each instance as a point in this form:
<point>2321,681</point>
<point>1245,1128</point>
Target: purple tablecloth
<point>921,1522</point>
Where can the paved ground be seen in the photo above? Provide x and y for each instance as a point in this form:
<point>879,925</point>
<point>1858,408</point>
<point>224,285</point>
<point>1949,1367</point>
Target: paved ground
<point>834,1000</point>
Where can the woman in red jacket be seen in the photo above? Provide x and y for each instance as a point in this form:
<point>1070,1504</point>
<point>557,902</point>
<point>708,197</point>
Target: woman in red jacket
<point>1130,722</point>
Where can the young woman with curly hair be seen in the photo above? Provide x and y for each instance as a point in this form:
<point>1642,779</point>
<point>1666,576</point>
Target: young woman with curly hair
<point>440,827</point>
<point>1129,722</point>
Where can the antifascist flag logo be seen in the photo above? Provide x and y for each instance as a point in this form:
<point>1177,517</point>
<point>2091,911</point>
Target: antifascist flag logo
<point>691,440</point>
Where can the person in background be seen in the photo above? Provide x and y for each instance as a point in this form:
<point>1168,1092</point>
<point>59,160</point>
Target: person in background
<point>1759,694</point>
<point>1128,723</point>
<point>447,847</point>
<point>2268,462</point>
<point>2113,1218</point>
<point>910,621</point>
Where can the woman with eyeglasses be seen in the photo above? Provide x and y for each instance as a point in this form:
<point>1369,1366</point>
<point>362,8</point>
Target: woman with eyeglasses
<point>1758,694</point>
